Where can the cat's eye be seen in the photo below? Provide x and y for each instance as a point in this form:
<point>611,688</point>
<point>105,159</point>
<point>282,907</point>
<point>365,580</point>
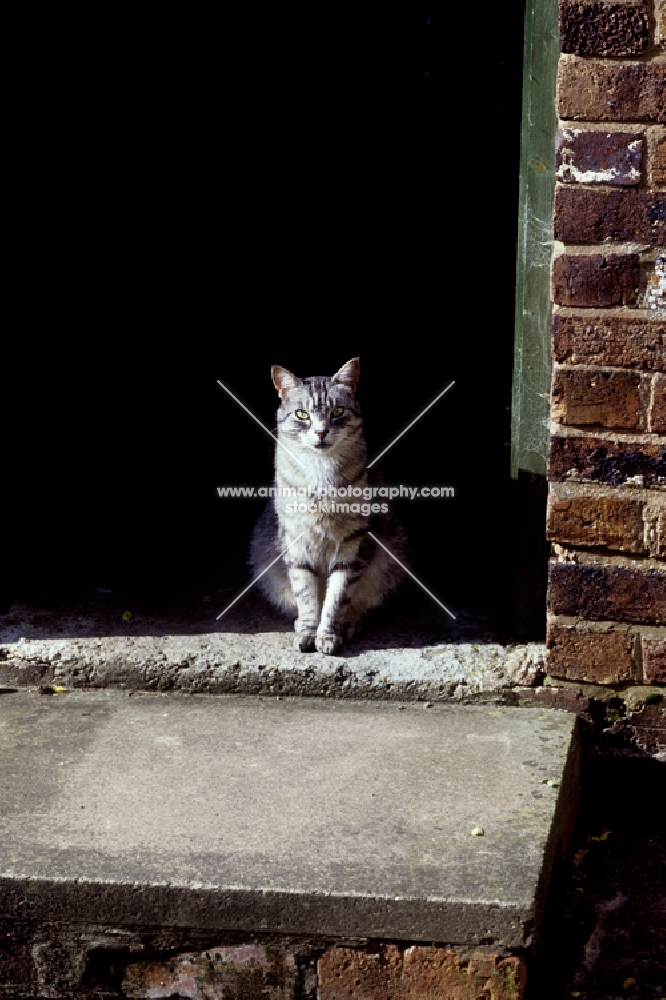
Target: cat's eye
<point>302,414</point>
<point>337,411</point>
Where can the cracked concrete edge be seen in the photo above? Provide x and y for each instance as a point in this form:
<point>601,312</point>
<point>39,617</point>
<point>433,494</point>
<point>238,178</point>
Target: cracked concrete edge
<point>267,664</point>
<point>457,922</point>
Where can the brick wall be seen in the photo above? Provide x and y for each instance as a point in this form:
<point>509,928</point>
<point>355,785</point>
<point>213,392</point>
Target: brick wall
<point>82,962</point>
<point>607,462</point>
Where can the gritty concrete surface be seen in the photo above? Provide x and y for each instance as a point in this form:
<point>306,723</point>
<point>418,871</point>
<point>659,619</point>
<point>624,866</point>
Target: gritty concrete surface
<point>418,654</point>
<point>315,816</point>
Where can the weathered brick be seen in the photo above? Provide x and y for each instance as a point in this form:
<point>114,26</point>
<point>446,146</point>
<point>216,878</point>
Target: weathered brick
<point>567,699</point>
<point>249,971</point>
<point>657,418</point>
<point>610,340</point>
<point>654,661</point>
<point>416,973</point>
<point>595,280</point>
<point>611,522</point>
<point>654,517</point>
<point>599,90</point>
<point>614,463</point>
<point>606,592</point>
<point>603,29</point>
<point>645,727</point>
<point>586,156</point>
<point>659,163</point>
<point>596,397</point>
<point>17,968</point>
<point>654,297</point>
<point>583,215</point>
<point>593,657</point>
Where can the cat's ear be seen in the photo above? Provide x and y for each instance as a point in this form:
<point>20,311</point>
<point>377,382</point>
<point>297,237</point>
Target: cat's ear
<point>283,379</point>
<point>348,374</point>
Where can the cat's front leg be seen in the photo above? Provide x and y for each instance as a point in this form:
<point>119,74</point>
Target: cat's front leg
<point>304,581</point>
<point>329,637</point>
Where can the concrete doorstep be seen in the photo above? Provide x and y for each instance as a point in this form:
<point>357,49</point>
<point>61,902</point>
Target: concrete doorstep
<point>250,651</point>
<point>194,845</point>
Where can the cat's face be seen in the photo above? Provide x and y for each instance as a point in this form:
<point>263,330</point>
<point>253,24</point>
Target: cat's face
<point>319,414</point>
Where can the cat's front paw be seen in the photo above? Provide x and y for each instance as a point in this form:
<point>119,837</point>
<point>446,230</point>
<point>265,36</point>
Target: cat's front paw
<point>329,643</point>
<point>304,642</point>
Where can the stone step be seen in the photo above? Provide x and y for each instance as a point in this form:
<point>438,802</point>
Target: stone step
<point>419,655</point>
<point>337,819</point>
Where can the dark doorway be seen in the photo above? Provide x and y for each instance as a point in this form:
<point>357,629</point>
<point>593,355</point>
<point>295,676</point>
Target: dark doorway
<point>298,188</point>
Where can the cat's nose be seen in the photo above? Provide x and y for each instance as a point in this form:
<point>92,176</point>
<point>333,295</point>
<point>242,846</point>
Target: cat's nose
<point>321,434</point>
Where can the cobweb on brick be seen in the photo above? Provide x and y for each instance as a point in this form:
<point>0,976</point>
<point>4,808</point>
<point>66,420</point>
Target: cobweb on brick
<point>539,240</point>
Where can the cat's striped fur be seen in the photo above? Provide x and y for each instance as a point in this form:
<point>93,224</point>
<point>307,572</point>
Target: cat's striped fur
<point>335,573</point>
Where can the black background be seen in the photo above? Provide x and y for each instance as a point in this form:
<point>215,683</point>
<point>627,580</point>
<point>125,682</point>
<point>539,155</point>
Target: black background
<point>269,188</point>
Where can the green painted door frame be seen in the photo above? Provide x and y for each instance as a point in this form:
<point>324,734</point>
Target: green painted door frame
<point>532,356</point>
<point>531,371</point>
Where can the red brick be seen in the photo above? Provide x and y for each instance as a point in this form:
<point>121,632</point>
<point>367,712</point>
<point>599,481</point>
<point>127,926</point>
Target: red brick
<point>654,661</point>
<point>587,156</point>
<point>644,728</point>
<point>595,397</point>
<point>17,967</point>
<point>654,517</point>
<point>576,654</point>
<point>659,163</point>
<point>657,422</point>
<point>591,521</point>
<point>602,90</point>
<point>595,280</point>
<point>564,698</point>
<point>598,460</point>
<point>620,341</point>
<point>603,29</point>
<point>583,215</point>
<point>249,971</point>
<point>606,592</point>
<point>416,973</point>
<point>655,286</point>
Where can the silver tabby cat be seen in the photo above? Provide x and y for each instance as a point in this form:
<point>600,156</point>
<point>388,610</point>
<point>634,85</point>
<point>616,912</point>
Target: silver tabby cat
<point>334,574</point>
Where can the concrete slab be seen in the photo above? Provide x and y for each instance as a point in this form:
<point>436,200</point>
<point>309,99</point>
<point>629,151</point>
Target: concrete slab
<point>314,816</point>
<point>419,653</point>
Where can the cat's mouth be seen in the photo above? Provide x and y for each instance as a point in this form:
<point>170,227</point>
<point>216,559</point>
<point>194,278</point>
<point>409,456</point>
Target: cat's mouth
<point>323,444</point>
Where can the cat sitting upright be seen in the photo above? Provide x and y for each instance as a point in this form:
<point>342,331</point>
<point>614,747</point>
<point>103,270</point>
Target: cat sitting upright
<point>335,572</point>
